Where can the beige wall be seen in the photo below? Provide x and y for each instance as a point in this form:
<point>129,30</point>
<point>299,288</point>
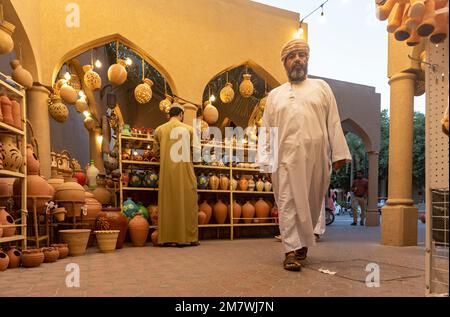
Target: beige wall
<point>191,53</point>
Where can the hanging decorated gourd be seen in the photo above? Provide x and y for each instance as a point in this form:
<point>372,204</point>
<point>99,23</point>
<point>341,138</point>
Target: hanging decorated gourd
<point>67,93</point>
<point>89,123</point>
<point>143,92</point>
<point>117,73</point>
<point>57,109</point>
<point>246,87</point>
<point>165,103</point>
<point>21,75</point>
<point>6,30</point>
<point>210,113</point>
<point>227,92</point>
<point>92,80</point>
<point>81,105</point>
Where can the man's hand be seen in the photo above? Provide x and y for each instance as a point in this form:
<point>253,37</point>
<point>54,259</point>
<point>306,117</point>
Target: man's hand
<point>338,165</point>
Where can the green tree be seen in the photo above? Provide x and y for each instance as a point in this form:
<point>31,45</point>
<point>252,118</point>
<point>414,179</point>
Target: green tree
<point>419,150</point>
<point>383,158</point>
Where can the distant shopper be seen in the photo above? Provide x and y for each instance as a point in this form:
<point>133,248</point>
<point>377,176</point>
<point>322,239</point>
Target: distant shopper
<point>177,196</point>
<point>360,187</point>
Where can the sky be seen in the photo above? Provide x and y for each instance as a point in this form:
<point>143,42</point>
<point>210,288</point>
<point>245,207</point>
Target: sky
<point>349,44</point>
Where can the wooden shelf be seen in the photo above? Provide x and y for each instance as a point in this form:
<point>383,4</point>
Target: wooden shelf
<point>141,188</point>
<point>41,238</point>
<point>247,169</point>
<point>212,191</point>
<point>7,128</point>
<point>12,238</point>
<point>252,192</point>
<point>10,88</point>
<point>133,138</point>
<point>215,225</point>
<point>141,163</point>
<point>212,167</point>
<point>254,224</point>
<point>6,173</point>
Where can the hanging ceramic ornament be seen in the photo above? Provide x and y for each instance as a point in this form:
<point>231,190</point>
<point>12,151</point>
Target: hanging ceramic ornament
<point>6,30</point>
<point>210,113</point>
<point>143,92</point>
<point>91,79</point>
<point>74,82</point>
<point>165,103</point>
<point>227,93</point>
<point>117,73</point>
<point>57,109</point>
<point>89,123</point>
<point>81,105</point>
<point>246,87</point>
<point>68,94</point>
<point>21,75</point>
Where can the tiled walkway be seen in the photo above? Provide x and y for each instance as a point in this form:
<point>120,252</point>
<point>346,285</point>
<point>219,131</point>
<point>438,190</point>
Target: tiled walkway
<point>250,267</point>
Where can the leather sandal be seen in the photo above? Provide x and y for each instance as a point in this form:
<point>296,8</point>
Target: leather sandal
<point>291,262</point>
<point>301,253</point>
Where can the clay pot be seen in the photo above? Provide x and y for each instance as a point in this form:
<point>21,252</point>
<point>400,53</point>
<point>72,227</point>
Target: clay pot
<point>102,194</point>
<point>4,261</point>
<point>92,79</point>
<point>7,110</point>
<point>259,185</point>
<point>139,229</point>
<point>76,239</point>
<point>213,182</point>
<point>81,105</point>
<point>89,123</point>
<point>6,41</point>
<point>59,214</point>
<point>6,187</point>
<point>7,220</point>
<point>14,257</point>
<point>71,196</point>
<point>36,186</point>
<point>143,92</point>
<point>262,211</point>
<point>153,212</point>
<point>68,94</point>
<point>113,219</point>
<point>248,211</point>
<point>16,114</point>
<point>237,211</point>
<point>32,161</point>
<point>51,254</point>
<point>227,93</point>
<point>201,218</point>
<point>107,240</point>
<point>243,184</point>
<point>210,114</point>
<point>251,185</point>
<point>233,184</point>
<point>155,238</point>
<point>117,73</point>
<point>63,250</point>
<point>224,182</point>
<point>220,212</point>
<point>80,176</point>
<point>32,257</point>
<point>267,186</point>
<point>11,156</point>
<point>20,75</point>
<point>246,87</point>
<point>58,110</point>
<point>206,208</point>
<point>56,180</point>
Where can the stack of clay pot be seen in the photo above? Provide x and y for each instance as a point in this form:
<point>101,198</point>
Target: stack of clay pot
<point>11,111</point>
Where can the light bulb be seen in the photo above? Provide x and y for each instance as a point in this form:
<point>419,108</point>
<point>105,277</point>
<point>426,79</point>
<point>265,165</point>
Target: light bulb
<point>86,114</point>
<point>81,94</point>
<point>67,76</point>
<point>212,98</point>
<point>135,153</point>
<point>322,18</point>
<point>98,64</point>
<point>299,34</point>
<point>99,139</point>
<point>128,61</point>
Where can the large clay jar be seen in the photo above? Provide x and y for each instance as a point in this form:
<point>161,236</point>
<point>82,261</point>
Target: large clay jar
<point>14,257</point>
<point>101,193</point>
<point>32,161</point>
<point>4,261</point>
<point>201,218</point>
<point>262,211</point>
<point>32,257</point>
<point>71,196</point>
<point>36,186</point>
<point>51,254</point>
<point>139,229</point>
<point>20,75</point>
<point>117,73</point>
<point>91,174</point>
<point>220,212</point>
<point>56,180</point>
<point>17,114</point>
<point>76,239</point>
<point>224,182</point>
<point>248,211</point>
<point>6,41</point>
<point>237,211</point>
<point>6,110</point>
<point>11,156</point>
<point>63,250</point>
<point>7,220</point>
<point>113,219</point>
<point>206,208</point>
<point>243,184</point>
<point>213,182</point>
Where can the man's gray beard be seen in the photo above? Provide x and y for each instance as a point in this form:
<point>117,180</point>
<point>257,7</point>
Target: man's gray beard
<point>298,74</point>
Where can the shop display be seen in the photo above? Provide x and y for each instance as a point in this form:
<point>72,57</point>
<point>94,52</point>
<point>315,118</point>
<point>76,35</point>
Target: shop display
<point>21,75</point>
<point>107,240</point>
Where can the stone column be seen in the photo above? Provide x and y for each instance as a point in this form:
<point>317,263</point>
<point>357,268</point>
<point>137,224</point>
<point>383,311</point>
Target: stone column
<point>190,113</point>
<point>399,216</point>
<point>37,113</point>
<point>372,216</point>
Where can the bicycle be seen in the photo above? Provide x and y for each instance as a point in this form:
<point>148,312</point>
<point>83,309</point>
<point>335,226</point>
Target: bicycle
<point>329,216</point>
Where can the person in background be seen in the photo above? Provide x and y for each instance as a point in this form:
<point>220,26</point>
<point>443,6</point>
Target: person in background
<point>360,187</point>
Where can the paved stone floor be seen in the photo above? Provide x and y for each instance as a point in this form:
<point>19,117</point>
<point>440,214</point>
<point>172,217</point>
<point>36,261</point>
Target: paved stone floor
<point>246,267</point>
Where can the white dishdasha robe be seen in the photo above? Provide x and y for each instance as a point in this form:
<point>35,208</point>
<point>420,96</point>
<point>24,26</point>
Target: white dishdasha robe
<point>309,138</point>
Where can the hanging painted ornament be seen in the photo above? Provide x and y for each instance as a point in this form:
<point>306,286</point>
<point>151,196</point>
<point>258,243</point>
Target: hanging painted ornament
<point>227,93</point>
<point>68,94</point>
<point>246,87</point>
<point>6,41</point>
<point>81,105</point>
<point>89,123</point>
<point>143,92</point>
<point>74,82</point>
<point>21,75</point>
<point>117,73</point>
<point>165,103</point>
<point>57,109</point>
<point>210,113</point>
<point>91,79</point>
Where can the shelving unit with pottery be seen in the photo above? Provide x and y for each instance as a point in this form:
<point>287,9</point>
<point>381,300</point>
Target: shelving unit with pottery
<point>13,147</point>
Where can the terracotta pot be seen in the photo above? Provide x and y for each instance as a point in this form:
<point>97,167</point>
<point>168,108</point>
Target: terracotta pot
<point>33,164</point>
<point>36,186</point>
<point>102,194</point>
<point>243,184</point>
<point>4,261</point>
<point>6,41</point>
<point>155,238</point>
<point>51,254</point>
<point>220,212</point>
<point>7,220</point>
<point>206,208</point>
<point>56,180</point>
<point>32,257</point>
<point>262,210</point>
<point>248,211</point>
<point>63,250</point>
<point>11,156</point>
<point>16,114</point>
<point>213,182</point>
<point>113,219</point>
<point>21,75</point>
<point>59,214</point>
<point>76,239</point>
<point>237,211</point>
<point>58,110</point>
<point>68,94</point>
<point>117,73</point>
<point>81,105</point>
<point>201,218</point>
<point>70,191</point>
<point>139,229</point>
<point>7,110</point>
<point>107,240</point>
<point>14,257</point>
<point>92,79</point>
<point>224,182</point>
<point>6,186</point>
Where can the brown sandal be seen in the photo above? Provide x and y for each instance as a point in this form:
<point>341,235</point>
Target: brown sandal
<point>301,253</point>
<point>291,262</point>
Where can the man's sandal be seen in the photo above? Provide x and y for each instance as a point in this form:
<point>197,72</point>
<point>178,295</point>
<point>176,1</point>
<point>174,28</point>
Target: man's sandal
<point>291,262</point>
<point>301,253</point>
